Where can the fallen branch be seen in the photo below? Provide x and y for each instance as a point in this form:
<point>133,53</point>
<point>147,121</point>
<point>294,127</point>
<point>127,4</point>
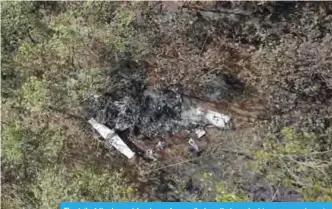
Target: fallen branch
<point>67,114</point>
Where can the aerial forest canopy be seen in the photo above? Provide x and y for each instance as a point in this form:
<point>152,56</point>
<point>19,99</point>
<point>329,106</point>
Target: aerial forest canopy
<point>135,67</point>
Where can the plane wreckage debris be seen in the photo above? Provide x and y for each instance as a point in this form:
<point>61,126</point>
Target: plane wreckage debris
<point>112,138</point>
<point>136,112</point>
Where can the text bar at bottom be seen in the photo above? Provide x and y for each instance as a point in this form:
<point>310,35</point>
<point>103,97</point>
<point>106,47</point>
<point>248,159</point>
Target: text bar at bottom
<point>196,205</point>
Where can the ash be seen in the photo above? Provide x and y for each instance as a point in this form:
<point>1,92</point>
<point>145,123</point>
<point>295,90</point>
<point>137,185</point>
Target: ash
<point>150,113</point>
<point>131,105</point>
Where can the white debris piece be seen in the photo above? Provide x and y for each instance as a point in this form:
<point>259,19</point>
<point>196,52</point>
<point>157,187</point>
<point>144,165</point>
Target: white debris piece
<point>112,137</point>
<point>149,154</point>
<point>200,133</point>
<point>199,114</point>
<point>161,145</point>
<point>102,129</point>
<point>193,144</point>
<point>217,119</point>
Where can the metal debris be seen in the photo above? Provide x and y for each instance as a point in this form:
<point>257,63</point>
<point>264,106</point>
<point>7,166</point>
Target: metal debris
<point>200,115</point>
<point>217,119</point>
<point>112,138</point>
<point>193,145</point>
<point>200,133</point>
<point>161,145</point>
<point>150,154</point>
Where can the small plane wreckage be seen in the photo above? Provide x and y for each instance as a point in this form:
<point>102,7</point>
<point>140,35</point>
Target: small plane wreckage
<point>211,117</point>
<point>133,108</point>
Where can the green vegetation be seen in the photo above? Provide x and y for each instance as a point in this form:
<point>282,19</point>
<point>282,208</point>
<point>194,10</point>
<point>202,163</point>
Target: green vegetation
<point>221,191</point>
<point>50,58</point>
<point>295,162</point>
<point>226,196</point>
<point>54,54</point>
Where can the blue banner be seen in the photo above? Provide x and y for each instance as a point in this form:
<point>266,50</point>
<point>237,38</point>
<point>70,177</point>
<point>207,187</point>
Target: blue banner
<point>196,205</point>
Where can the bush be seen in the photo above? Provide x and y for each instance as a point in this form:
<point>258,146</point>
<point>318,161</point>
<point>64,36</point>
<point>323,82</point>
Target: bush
<point>81,184</point>
<point>293,161</point>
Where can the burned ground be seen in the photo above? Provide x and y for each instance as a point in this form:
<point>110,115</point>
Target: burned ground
<point>132,104</point>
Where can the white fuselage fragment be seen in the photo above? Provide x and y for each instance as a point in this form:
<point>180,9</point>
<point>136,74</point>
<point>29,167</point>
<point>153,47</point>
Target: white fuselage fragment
<point>217,119</point>
<point>199,115</point>
<point>112,138</point>
<point>200,133</point>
